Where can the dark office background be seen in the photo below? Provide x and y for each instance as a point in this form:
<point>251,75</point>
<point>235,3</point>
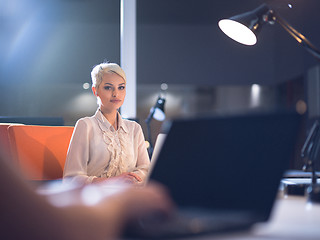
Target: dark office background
<point>48,49</point>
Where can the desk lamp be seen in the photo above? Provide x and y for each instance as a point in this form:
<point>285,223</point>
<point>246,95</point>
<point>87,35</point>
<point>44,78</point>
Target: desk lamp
<point>244,28</point>
<point>156,112</point>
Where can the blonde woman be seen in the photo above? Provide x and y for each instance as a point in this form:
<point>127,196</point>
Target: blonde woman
<point>106,146</point>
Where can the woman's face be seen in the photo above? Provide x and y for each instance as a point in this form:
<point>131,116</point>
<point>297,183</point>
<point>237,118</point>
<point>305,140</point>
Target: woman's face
<point>111,92</point>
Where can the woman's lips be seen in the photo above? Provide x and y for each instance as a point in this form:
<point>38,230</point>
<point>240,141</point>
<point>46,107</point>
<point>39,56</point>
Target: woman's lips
<point>115,101</point>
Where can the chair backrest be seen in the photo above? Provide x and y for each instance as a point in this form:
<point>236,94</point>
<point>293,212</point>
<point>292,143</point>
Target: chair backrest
<point>40,151</point>
<point>4,140</point>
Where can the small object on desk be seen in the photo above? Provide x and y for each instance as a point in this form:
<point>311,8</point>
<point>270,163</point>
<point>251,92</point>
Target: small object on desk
<point>299,186</point>
<point>295,189</point>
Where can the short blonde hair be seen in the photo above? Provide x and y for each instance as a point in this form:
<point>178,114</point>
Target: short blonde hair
<point>102,68</point>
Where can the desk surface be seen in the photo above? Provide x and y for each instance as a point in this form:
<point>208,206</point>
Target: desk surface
<point>292,219</point>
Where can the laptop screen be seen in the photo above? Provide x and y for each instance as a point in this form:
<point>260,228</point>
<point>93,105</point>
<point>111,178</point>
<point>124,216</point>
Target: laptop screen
<point>227,162</point>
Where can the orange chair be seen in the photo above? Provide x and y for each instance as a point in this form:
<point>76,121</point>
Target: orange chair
<point>40,151</point>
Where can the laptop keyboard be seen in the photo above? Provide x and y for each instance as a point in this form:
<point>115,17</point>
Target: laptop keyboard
<point>187,222</point>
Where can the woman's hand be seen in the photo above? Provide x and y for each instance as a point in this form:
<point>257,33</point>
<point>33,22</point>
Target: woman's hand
<point>136,176</point>
<point>127,177</point>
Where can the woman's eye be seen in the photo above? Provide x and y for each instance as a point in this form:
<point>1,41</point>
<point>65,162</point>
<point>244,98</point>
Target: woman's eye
<point>107,88</point>
<point>121,87</point>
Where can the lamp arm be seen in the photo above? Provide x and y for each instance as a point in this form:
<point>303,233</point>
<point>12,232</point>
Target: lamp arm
<point>148,121</point>
<point>311,148</point>
<point>150,116</point>
<point>296,35</point>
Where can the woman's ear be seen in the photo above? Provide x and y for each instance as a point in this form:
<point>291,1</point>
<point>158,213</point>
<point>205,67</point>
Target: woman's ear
<point>94,90</point>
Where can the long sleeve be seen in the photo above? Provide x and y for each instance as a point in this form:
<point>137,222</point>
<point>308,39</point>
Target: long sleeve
<point>143,161</point>
<point>78,154</point>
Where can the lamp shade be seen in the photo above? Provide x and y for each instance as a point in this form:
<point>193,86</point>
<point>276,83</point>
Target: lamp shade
<point>244,27</point>
<point>159,109</point>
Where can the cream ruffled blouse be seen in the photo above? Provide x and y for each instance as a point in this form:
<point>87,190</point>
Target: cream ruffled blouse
<point>98,150</point>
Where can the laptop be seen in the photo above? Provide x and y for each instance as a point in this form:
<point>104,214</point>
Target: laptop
<point>223,172</point>
<point>156,150</point>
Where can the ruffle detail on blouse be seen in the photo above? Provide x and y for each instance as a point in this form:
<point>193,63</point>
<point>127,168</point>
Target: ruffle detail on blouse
<point>117,164</point>
<point>116,144</point>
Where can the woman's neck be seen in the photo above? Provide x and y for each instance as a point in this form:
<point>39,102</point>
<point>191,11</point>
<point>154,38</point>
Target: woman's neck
<point>112,118</point>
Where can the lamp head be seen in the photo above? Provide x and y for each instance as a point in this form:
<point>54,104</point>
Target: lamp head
<point>159,109</point>
<point>244,27</point>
